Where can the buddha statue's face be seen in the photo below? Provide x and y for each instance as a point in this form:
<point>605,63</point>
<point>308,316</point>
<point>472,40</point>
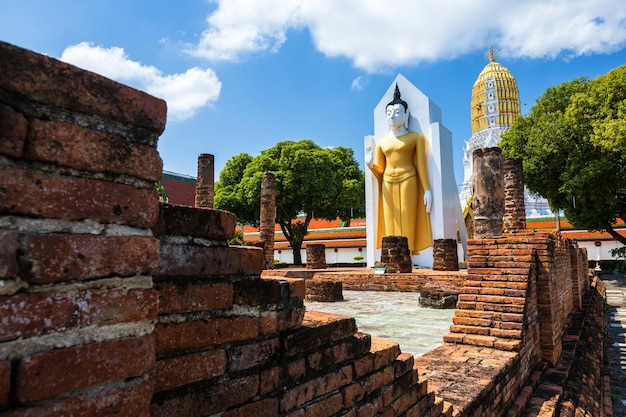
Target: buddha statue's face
<point>396,116</point>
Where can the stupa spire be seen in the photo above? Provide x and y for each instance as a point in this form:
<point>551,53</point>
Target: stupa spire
<point>492,53</point>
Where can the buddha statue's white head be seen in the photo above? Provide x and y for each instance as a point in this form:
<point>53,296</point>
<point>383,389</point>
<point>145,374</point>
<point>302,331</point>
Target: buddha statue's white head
<point>398,114</point>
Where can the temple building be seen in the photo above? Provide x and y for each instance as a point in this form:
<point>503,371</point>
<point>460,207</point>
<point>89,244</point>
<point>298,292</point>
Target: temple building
<point>494,107</point>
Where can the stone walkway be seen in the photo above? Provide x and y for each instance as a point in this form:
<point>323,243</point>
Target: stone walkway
<point>616,339</point>
<point>393,316</point>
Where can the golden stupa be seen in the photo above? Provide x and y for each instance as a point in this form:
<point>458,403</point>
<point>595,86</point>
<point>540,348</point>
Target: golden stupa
<point>495,97</point>
<point>494,107</point>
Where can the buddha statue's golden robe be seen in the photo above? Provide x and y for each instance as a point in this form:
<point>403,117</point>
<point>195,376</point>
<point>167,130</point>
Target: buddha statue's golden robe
<point>401,169</point>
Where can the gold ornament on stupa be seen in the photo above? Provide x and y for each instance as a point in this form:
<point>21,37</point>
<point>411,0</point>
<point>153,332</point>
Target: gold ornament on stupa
<point>495,97</point>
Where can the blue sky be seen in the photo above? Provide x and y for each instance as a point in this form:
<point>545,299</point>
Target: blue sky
<point>241,75</point>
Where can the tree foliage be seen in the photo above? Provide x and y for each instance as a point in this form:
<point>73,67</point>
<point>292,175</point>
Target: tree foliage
<point>310,181</point>
<point>573,147</point>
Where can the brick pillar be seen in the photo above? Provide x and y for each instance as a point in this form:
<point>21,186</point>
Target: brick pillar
<point>488,192</point>
<point>78,164</point>
<point>316,256</point>
<point>268,218</point>
<point>514,206</point>
<point>205,181</point>
<point>445,255</point>
<point>395,255</point>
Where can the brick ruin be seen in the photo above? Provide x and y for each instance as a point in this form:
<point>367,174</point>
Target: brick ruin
<point>116,305</point>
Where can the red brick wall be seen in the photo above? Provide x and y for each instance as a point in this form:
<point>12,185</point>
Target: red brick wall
<point>512,315</point>
<point>229,341</point>
<point>78,163</point>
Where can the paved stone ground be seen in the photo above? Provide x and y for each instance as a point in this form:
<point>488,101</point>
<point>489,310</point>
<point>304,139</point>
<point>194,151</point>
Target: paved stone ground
<point>616,339</point>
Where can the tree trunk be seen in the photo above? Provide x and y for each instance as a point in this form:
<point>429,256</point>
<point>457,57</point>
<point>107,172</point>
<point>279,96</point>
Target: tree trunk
<point>616,236</point>
<point>294,233</point>
<point>297,254</point>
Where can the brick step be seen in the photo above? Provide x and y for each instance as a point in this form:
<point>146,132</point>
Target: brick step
<point>542,396</point>
<point>521,402</point>
<point>482,340</point>
<point>319,329</point>
<point>442,407</point>
<point>487,331</point>
<point>516,308</point>
<point>490,315</point>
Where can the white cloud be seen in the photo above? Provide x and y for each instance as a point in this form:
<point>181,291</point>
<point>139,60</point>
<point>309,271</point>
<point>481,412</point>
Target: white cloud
<point>239,27</point>
<point>184,93</point>
<point>376,35</point>
<point>359,82</point>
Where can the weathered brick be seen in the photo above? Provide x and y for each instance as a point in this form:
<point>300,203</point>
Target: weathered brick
<point>263,408</point>
<point>32,314</point>
<point>370,409</point>
<point>491,291</point>
<point>454,338</point>
<point>9,246</point>
<point>479,340</point>
<point>5,382</point>
<point>509,334</point>
<point>297,287</point>
<point>404,364</point>
<point>122,400</point>
<point>178,297</point>
<point>44,194</point>
<point>200,334</point>
<point>401,384</point>
<point>250,355</point>
<point>43,79</point>
<point>279,321</point>
<point>377,380</point>
<point>305,392</point>
<point>319,329</point>
<point>196,261</point>
<point>208,401</point>
<point>83,257</point>
<point>466,321</point>
<point>296,413</point>
<point>328,406</point>
<point>352,348</point>
<point>509,325</point>
<point>352,394</point>
<point>181,370</point>
<point>364,365</point>
<point>429,405</point>
<point>407,398</point>
<point>281,376</point>
<point>485,315</point>
<point>210,224</point>
<point>259,292</point>
<point>13,128</point>
<point>81,148</point>
<point>385,352</point>
<point>48,374</point>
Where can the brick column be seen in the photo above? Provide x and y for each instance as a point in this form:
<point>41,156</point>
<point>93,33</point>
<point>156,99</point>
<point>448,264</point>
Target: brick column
<point>78,164</point>
<point>488,192</point>
<point>514,206</point>
<point>205,180</point>
<point>395,255</point>
<point>445,255</point>
<point>316,256</point>
<point>268,218</point>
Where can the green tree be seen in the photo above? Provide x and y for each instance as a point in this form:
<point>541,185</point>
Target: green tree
<point>160,189</point>
<point>310,181</point>
<point>573,147</point>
